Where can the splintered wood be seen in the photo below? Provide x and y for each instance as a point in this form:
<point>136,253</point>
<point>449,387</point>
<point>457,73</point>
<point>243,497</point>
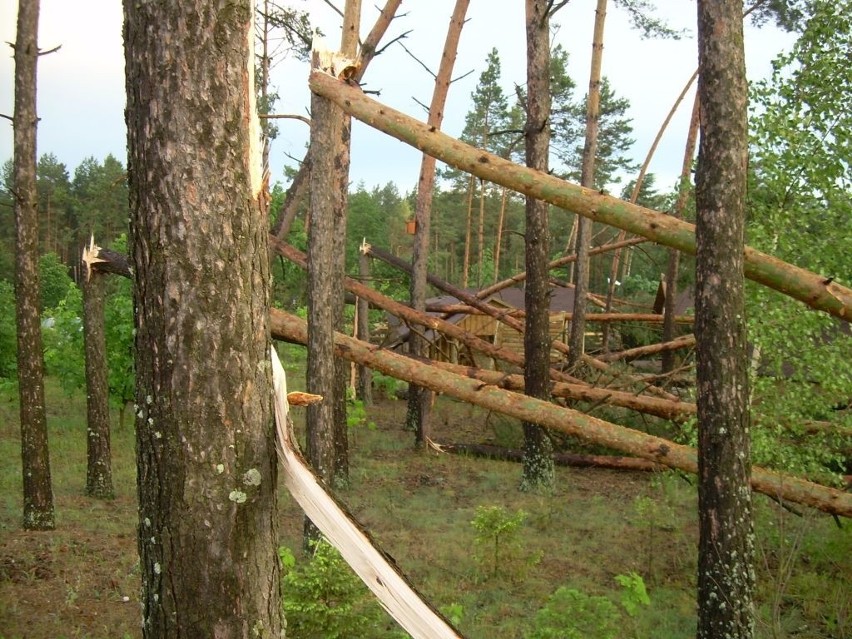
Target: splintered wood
<point>356,547</point>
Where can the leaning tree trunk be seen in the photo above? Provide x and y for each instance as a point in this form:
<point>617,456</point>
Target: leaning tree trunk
<point>98,461</point>
<point>817,291</point>
<point>35,459</point>
<point>577,339</point>
<point>726,536</point>
<point>420,400</point>
<point>538,473</point>
<point>207,469</point>
<point>673,265</point>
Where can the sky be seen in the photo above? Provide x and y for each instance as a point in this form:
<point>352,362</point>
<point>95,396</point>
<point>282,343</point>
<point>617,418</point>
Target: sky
<point>81,86</point>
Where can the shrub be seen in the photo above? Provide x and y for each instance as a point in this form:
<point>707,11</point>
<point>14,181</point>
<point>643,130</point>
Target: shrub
<point>324,599</point>
<point>571,614</point>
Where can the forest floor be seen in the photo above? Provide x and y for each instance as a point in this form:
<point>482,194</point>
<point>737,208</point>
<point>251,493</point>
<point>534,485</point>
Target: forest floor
<point>82,580</point>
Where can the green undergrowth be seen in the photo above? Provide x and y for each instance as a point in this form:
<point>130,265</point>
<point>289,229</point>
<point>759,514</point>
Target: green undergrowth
<point>606,550</point>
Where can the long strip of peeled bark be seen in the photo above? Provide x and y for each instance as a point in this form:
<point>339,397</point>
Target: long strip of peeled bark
<point>817,291</point>
<point>398,597</point>
<point>632,442</point>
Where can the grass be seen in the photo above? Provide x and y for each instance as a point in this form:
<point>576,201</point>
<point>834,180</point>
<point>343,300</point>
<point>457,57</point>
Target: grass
<point>82,579</point>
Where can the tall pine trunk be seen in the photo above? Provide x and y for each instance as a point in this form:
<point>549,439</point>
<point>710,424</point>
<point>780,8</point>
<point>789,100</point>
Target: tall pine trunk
<point>577,340</point>
<point>726,537</point>
<point>419,399</point>
<point>35,459</point>
<point>538,454</point>
<point>207,467</point>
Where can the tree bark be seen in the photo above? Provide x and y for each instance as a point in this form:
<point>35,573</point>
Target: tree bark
<point>98,459</point>
<point>577,339</point>
<point>326,132</point>
<point>565,420</point>
<point>538,473</point>
<point>673,265</point>
<point>365,375</point>
<point>35,458</point>
<point>726,535</point>
<point>420,400</point>
<point>207,468</point>
<point>348,47</point>
<point>815,290</point>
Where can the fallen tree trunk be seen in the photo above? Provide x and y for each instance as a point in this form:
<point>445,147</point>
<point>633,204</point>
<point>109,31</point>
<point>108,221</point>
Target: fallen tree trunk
<point>665,408</point>
<point>687,341</point>
<point>505,317</point>
<point>612,462</point>
<point>408,314</point>
<point>650,318</point>
<point>817,291</point>
<point>629,441</point>
<point>560,261</point>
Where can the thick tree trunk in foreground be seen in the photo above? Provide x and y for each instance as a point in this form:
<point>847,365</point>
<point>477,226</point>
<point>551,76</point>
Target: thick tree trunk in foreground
<point>726,535</point>
<point>420,400</point>
<point>538,474</point>
<point>98,456</point>
<point>565,420</point>
<point>35,459</point>
<point>207,468</point>
<point>817,291</point>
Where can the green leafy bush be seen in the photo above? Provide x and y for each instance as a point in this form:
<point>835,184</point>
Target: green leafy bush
<point>634,596</point>
<point>571,614</point>
<point>55,281</point>
<point>324,599</point>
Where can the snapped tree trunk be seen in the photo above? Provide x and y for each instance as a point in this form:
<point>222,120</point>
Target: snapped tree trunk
<point>207,467</point>
<point>299,187</point>
<point>538,473</point>
<point>98,459</point>
<point>35,458</point>
<point>420,400</point>
<point>320,375</point>
<point>817,291</point>
<point>726,535</point>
